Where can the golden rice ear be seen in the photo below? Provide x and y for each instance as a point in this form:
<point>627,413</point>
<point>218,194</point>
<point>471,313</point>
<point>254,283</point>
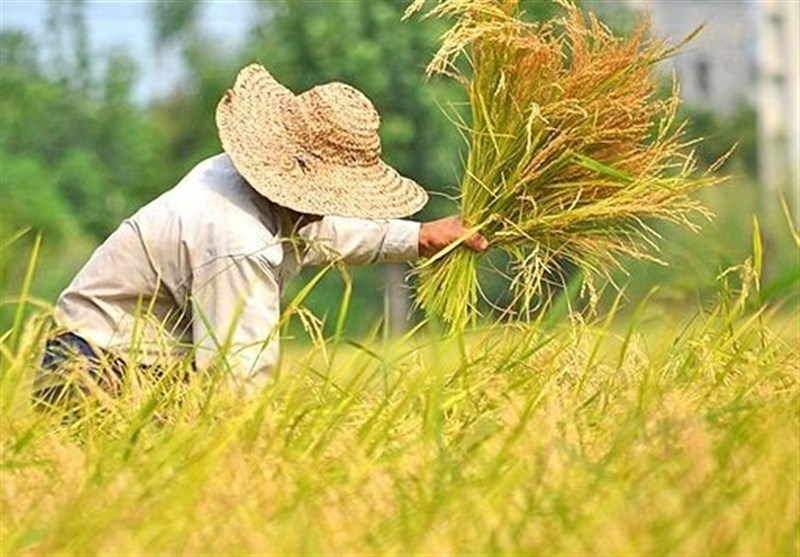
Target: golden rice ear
<point>572,155</point>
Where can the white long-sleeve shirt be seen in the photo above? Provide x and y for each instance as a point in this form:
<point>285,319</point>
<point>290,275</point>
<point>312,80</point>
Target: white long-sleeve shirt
<point>202,267</point>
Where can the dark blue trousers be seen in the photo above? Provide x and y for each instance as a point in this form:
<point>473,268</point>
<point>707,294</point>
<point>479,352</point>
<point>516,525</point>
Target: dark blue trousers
<point>68,361</point>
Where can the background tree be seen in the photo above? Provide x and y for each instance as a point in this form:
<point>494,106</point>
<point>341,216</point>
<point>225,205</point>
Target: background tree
<point>173,20</point>
<point>76,154</point>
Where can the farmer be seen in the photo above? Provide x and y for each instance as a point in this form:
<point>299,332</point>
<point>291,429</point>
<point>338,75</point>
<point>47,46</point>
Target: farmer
<point>202,266</point>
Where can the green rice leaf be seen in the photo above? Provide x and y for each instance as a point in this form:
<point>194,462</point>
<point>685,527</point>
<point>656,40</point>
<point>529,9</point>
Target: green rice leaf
<point>600,168</point>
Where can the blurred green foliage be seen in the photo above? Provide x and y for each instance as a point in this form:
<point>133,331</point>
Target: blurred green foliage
<point>77,154</point>
<point>721,134</point>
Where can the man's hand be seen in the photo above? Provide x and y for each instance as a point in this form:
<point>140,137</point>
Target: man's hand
<point>437,235</point>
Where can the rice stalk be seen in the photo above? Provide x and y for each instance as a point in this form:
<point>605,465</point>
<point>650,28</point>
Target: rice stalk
<point>572,154</point>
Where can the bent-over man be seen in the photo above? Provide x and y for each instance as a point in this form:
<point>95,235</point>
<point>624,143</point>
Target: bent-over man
<point>199,270</point>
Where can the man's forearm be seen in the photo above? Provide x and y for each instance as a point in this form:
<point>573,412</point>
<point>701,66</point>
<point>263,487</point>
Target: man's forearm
<point>359,241</point>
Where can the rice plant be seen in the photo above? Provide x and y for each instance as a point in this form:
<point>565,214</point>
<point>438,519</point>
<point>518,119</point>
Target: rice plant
<point>572,153</point>
<point>640,435</point>
<point>647,433</point>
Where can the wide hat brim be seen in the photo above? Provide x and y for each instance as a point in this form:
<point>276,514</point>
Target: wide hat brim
<point>257,120</point>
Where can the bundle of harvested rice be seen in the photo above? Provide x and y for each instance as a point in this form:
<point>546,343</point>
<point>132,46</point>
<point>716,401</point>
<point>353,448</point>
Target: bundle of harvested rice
<point>572,154</point>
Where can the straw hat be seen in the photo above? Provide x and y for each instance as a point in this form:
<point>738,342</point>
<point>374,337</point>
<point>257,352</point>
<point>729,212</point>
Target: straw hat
<point>318,152</point>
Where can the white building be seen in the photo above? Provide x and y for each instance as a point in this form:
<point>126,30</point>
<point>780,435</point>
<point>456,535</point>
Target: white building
<point>779,97</point>
<point>718,69</point>
<point>747,52</point>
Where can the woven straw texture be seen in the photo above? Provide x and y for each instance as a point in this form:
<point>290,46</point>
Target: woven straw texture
<point>317,153</point>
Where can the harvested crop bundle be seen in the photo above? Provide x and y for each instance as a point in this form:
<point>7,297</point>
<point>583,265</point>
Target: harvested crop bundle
<point>572,154</point>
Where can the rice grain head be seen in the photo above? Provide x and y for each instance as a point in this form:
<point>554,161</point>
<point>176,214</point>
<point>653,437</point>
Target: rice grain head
<point>572,154</point>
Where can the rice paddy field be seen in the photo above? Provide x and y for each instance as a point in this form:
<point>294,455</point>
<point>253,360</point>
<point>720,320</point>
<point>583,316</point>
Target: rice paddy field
<point>643,432</point>
<point>645,426</point>
<point>640,424</point>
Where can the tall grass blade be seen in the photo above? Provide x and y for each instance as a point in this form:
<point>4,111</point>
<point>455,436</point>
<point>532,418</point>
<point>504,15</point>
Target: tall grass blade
<point>22,299</point>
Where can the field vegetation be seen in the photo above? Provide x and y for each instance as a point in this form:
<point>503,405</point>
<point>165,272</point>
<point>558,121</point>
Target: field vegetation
<point>666,422</point>
<point>646,431</point>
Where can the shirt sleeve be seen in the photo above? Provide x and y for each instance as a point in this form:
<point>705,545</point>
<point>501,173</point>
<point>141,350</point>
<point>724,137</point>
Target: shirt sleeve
<point>357,241</point>
<point>236,306</point>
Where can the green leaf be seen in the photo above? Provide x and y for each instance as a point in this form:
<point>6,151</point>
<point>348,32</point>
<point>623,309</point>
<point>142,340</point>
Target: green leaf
<point>597,166</point>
